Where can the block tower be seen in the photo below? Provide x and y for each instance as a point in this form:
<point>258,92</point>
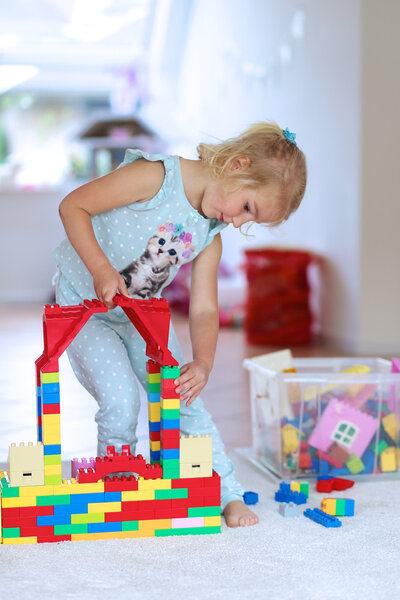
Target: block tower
<point>177,493</point>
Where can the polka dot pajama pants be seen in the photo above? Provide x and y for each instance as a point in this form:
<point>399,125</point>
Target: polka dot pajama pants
<point>108,357</point>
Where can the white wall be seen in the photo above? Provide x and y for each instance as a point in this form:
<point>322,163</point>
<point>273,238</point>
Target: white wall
<point>233,73</point>
<point>30,230</point>
<point>380,215</point>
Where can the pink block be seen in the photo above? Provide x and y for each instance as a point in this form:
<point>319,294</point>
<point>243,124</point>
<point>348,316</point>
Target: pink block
<point>395,365</point>
<point>392,392</point>
<point>81,463</point>
<point>363,395</point>
<point>336,412</point>
<point>188,522</point>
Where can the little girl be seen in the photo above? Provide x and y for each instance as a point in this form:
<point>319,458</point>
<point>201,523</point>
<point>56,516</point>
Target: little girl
<point>129,232</point>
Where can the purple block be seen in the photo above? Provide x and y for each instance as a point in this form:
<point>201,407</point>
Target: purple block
<point>81,463</point>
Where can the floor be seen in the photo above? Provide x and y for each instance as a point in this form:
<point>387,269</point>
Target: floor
<point>226,395</point>
<point>280,558</point>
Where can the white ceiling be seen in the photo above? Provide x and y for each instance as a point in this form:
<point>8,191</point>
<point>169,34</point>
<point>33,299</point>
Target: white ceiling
<point>78,45</point>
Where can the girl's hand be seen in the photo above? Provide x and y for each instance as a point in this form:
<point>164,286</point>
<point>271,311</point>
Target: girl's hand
<point>108,282</point>
<point>193,378</point>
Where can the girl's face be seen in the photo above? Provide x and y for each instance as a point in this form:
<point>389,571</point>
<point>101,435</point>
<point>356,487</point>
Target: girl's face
<point>259,205</point>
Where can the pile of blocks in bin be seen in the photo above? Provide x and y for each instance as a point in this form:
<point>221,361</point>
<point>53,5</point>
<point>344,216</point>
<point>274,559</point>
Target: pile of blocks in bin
<point>177,493</point>
<point>292,494</point>
<point>351,430</point>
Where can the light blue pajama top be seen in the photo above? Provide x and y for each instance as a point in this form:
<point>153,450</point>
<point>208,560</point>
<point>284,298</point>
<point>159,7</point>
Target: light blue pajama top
<point>123,233</point>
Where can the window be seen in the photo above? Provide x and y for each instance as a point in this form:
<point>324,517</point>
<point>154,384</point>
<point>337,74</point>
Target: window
<point>345,433</point>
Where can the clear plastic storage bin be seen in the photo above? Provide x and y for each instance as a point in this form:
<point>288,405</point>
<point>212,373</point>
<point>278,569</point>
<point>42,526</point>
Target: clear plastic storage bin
<point>332,416</point>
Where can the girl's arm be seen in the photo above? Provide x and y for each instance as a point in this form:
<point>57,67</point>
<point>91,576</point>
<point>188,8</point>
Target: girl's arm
<point>136,182</point>
<point>203,322</point>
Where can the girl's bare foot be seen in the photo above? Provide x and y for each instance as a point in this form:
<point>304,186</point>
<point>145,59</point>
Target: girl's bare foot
<point>237,514</point>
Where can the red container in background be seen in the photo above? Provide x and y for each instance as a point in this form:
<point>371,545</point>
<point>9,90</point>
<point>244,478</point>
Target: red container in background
<point>278,297</point>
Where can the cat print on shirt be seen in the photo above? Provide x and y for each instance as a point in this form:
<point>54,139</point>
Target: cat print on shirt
<point>170,247</point>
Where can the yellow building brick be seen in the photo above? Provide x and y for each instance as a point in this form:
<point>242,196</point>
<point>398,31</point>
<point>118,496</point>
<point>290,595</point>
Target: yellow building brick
<point>390,425</point>
<point>138,495</point>
<point>212,521</point>
<point>153,484</point>
<point>170,403</point>
<point>98,507</point>
<point>388,460</point>
<point>73,487</point>
<point>18,502</point>
<point>51,429</point>
<point>52,470</point>
<point>36,490</point>
<point>153,377</point>
<point>328,505</point>
<point>153,411</point>
<point>109,535</point>
<point>290,438</point>
<point>19,541</point>
<point>50,377</point>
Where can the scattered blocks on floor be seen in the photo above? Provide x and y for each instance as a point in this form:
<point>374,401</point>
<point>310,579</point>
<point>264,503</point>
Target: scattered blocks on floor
<point>300,486</point>
<point>329,484</point>
<point>339,507</point>
<point>289,509</point>
<point>318,516</point>
<point>250,498</point>
<point>285,494</point>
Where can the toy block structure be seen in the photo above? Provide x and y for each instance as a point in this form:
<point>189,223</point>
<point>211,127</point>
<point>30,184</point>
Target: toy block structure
<point>176,493</point>
<point>338,507</point>
<point>287,494</point>
<point>322,518</point>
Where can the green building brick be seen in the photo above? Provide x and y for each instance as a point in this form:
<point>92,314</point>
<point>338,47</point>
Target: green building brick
<point>170,372</point>
<point>89,518</point>
<point>53,500</point>
<point>130,525</point>
<point>340,507</point>
<point>51,459</point>
<point>153,388</point>
<point>10,492</point>
<point>171,468</point>
<point>171,494</point>
<point>170,413</point>
<point>70,529</point>
<point>355,464</point>
<point>187,531</point>
<point>11,532</point>
<point>204,511</point>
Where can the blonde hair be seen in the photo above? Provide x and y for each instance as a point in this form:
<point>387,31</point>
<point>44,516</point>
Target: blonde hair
<point>273,159</point>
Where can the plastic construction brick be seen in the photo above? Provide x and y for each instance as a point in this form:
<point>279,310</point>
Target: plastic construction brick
<point>330,484</point>
<point>339,507</point>
<point>60,326</point>
<point>81,463</point>
<point>285,494</point>
<point>157,501</point>
<point>250,497</point>
<point>300,486</point>
<point>116,462</point>
<point>289,510</point>
<point>151,318</point>
<point>322,518</point>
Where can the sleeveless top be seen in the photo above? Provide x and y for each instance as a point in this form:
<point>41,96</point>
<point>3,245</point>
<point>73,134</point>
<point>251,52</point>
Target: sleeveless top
<point>124,232</point>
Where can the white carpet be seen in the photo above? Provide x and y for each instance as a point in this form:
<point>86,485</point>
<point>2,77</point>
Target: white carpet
<point>280,559</point>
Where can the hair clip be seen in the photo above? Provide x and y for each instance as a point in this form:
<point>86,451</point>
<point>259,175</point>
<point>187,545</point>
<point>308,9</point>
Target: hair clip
<point>289,135</point>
